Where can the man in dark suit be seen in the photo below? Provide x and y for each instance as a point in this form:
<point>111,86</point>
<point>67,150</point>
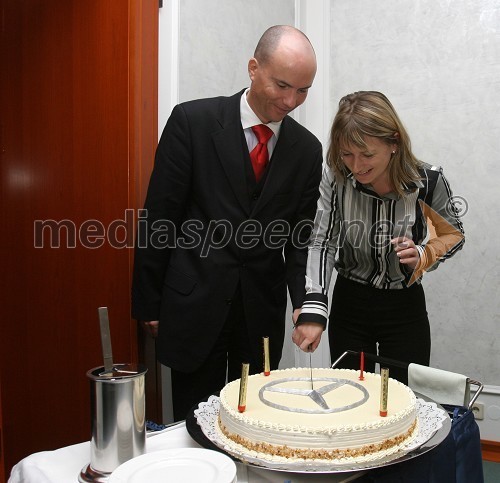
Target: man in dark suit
<point>220,240</point>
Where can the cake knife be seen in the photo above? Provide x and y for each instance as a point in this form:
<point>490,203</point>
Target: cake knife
<point>314,395</point>
<point>310,366</point>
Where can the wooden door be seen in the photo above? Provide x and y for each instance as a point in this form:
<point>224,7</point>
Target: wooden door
<point>78,133</point>
<point>2,462</point>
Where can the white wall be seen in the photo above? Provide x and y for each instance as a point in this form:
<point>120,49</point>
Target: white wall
<point>439,62</point>
<point>218,37</point>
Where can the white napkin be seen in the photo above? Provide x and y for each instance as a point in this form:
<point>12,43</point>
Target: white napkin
<point>443,387</point>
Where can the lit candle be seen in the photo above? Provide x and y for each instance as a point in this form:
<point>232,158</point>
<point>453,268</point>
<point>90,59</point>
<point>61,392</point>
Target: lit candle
<point>361,366</point>
<point>267,369</point>
<point>384,390</point>
<point>242,401</point>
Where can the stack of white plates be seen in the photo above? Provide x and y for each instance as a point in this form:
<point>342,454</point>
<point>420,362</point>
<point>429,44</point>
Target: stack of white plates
<point>186,465</point>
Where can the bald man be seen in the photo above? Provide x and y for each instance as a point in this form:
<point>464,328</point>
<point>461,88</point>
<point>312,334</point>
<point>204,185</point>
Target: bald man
<point>225,232</point>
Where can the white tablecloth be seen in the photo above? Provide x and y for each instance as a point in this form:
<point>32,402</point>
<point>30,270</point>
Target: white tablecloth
<point>65,464</point>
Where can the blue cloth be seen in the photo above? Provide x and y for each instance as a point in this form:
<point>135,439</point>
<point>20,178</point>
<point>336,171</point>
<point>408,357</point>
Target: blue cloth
<point>457,459</point>
<point>152,426</point>
<point>468,456</point>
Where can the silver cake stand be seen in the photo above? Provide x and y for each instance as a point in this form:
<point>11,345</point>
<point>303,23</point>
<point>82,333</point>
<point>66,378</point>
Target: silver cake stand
<point>209,413</point>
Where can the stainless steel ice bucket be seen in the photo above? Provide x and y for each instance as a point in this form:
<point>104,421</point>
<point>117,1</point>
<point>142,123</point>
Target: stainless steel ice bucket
<point>118,416</point>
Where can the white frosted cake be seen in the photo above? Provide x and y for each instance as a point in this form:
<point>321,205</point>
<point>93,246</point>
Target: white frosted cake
<point>336,420</point>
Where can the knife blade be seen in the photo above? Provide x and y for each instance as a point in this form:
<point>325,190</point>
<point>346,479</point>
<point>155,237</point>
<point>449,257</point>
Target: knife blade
<point>318,399</point>
<point>107,352</point>
<point>310,366</point>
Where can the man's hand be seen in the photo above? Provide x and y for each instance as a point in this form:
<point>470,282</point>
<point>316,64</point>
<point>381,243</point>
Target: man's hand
<point>151,327</point>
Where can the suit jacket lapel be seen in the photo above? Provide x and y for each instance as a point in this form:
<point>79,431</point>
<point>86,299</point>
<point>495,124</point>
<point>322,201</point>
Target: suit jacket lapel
<point>280,165</point>
<point>228,144</point>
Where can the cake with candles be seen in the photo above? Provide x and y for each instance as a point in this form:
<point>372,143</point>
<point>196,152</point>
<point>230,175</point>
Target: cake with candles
<point>330,415</point>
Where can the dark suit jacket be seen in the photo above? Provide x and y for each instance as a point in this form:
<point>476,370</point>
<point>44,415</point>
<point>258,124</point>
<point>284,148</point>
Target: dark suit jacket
<point>196,240</point>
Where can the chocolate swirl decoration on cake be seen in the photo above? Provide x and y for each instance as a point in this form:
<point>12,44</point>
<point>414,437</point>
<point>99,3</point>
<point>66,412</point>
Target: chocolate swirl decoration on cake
<point>282,386</point>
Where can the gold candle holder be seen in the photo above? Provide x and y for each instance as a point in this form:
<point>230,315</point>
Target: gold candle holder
<point>242,400</point>
<point>384,390</point>
<point>267,368</point>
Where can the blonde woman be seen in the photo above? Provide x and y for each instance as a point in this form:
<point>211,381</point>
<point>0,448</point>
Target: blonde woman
<point>383,219</point>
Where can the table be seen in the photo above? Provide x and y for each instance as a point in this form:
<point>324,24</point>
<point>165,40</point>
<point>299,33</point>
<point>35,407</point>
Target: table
<point>64,465</point>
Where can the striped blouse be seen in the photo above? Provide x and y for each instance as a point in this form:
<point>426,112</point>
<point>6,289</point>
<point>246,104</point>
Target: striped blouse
<point>354,227</point>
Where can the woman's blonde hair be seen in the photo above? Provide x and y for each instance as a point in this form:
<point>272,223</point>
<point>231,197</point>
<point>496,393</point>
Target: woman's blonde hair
<point>370,113</point>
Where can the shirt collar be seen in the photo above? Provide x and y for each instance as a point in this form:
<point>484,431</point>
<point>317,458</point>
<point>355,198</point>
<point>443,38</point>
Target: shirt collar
<point>249,118</point>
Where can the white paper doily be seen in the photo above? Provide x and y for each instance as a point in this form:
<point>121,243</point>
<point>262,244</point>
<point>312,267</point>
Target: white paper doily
<point>430,420</point>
